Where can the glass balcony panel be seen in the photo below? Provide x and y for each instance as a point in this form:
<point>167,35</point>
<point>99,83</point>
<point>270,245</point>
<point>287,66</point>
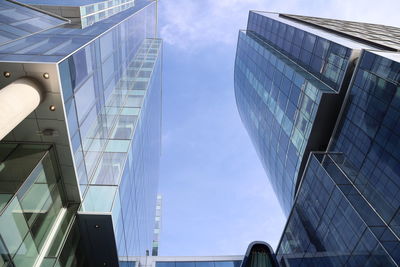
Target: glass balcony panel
<point>13,226</point>
<point>99,199</point>
<point>27,253</point>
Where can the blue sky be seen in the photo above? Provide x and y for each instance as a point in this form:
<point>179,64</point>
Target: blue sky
<point>217,198</point>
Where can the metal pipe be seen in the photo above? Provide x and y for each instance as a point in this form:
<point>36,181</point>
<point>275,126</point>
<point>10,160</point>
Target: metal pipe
<point>17,101</point>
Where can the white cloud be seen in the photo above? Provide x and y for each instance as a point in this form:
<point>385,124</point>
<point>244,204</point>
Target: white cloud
<point>218,197</point>
<point>193,24</point>
<point>371,11</point>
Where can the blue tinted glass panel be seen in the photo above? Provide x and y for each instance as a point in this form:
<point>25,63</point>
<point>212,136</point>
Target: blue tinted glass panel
<point>165,264</point>
<point>204,264</point>
<point>184,264</point>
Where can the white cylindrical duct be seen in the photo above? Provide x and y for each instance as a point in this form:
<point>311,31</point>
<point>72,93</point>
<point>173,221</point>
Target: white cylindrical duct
<point>17,101</point>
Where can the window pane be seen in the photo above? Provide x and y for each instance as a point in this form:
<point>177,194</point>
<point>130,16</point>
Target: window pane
<point>110,168</point>
<point>184,264</point>
<point>99,198</point>
<point>13,227</point>
<point>205,264</point>
<point>85,98</point>
<point>227,263</point>
<point>165,264</point>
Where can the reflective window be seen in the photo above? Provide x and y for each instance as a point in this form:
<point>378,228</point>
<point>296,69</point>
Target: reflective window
<point>18,21</point>
<point>110,168</point>
<point>184,264</point>
<point>204,264</point>
<point>99,198</point>
<point>117,145</point>
<point>85,98</point>
<point>227,264</point>
<point>165,264</point>
<point>71,115</point>
<point>106,45</point>
<point>31,211</point>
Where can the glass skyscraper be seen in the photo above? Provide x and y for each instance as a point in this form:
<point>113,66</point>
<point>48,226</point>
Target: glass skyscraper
<point>79,173</point>
<point>320,101</point>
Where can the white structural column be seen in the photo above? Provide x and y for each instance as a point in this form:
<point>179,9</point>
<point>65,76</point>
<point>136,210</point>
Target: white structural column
<point>17,101</point>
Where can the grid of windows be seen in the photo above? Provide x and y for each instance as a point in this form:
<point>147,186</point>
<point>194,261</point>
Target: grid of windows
<point>347,206</point>
<point>101,10</point>
<point>331,224</point>
<point>117,161</point>
<point>346,211</point>
<point>17,21</point>
<point>110,77</point>
<point>84,13</point>
<point>102,101</point>
<point>369,135</point>
<point>278,101</point>
<point>54,44</point>
<point>112,94</point>
<point>380,34</point>
<point>323,58</point>
<point>31,203</point>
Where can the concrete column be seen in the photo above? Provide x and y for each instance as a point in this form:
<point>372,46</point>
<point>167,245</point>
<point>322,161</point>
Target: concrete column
<point>17,101</point>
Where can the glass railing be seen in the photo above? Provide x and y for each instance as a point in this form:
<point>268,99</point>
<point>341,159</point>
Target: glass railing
<point>64,245</point>
<point>31,201</point>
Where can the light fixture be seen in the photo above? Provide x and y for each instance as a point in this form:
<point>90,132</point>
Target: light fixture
<point>7,74</point>
<point>52,108</point>
<point>46,75</point>
<point>49,132</point>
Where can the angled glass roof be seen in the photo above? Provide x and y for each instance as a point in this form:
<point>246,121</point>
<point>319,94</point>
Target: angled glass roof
<point>61,2</point>
<point>17,21</point>
<point>54,44</point>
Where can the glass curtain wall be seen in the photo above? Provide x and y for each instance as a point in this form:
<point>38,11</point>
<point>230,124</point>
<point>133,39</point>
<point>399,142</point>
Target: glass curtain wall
<point>31,205</point>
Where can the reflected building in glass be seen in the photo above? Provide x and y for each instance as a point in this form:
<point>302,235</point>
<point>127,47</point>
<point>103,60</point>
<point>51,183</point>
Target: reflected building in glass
<point>320,101</point>
<point>79,173</point>
<point>157,227</point>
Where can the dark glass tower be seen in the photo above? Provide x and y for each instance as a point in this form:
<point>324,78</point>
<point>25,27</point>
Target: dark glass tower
<point>320,100</point>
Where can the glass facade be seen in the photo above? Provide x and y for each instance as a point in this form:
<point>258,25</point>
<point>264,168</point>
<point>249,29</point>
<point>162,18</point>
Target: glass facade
<point>331,224</point>
<point>17,21</point>
<point>278,93</point>
<point>369,135</point>
<point>325,59</point>
<point>32,202</point>
<point>138,187</point>
<point>383,35</point>
<point>343,206</point>
<point>57,43</point>
<point>83,13</point>
<point>103,85</point>
<point>112,92</point>
<point>347,206</point>
<point>157,226</point>
<point>108,80</point>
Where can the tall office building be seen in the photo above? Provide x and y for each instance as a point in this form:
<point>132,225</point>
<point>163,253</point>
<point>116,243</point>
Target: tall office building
<point>157,226</point>
<point>80,121</point>
<point>320,99</point>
